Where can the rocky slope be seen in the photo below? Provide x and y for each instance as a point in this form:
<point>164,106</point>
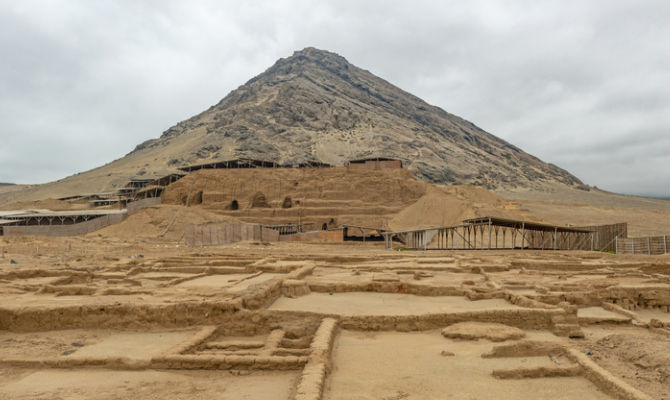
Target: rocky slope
<point>315,106</point>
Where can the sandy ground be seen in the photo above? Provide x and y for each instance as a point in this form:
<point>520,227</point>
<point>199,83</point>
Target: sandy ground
<point>103,317</point>
<point>104,384</point>
<point>369,303</point>
<point>415,369</point>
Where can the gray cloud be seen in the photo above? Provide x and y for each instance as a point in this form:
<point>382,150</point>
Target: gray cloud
<point>580,84</point>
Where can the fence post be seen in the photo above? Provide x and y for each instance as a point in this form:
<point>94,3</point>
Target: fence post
<point>648,245</point>
<point>616,244</point>
<point>665,245</point>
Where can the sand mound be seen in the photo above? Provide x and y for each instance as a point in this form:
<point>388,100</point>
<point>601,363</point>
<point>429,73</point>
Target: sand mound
<point>152,221</point>
<point>482,330</point>
<point>435,208</point>
<point>450,205</point>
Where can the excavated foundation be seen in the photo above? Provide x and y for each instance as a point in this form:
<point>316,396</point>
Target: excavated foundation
<point>260,322</point>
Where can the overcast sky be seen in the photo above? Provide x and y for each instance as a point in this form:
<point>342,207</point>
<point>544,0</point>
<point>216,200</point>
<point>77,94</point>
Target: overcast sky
<point>582,84</point>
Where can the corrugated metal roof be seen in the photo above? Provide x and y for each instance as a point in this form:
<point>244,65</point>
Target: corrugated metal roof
<point>49,213</point>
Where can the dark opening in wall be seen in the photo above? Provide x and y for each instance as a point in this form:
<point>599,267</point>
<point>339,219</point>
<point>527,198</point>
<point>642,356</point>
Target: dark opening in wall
<point>234,205</point>
<point>324,227</point>
<point>287,203</point>
<point>197,198</point>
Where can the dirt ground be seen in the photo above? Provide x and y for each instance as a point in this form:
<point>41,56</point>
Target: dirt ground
<point>102,316</point>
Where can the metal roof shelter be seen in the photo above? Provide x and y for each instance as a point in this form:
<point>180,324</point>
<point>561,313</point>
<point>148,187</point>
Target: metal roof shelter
<point>496,233</point>
<point>139,182</point>
<point>511,223</point>
<point>249,163</point>
<point>167,179</point>
<point>362,160</point>
<point>47,217</point>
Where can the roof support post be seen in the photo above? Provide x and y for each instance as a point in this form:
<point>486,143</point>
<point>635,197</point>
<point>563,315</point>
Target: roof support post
<point>489,233</point>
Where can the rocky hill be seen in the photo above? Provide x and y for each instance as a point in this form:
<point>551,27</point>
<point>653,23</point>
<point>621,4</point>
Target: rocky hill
<point>316,106</point>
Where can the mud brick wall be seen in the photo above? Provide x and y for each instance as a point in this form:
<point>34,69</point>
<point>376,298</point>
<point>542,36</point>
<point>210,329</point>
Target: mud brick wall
<point>214,235</point>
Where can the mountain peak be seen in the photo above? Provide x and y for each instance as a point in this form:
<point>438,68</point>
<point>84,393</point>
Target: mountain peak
<point>316,106</point>
<point>307,59</point>
<point>316,54</point>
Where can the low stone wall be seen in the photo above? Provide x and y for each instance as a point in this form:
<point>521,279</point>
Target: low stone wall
<point>214,235</point>
<point>315,372</point>
<point>65,230</point>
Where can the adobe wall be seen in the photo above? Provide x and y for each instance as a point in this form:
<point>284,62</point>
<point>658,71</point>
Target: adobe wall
<point>214,235</point>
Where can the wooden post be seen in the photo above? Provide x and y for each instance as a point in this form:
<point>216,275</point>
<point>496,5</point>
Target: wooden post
<point>523,235</point>
<point>489,233</point>
<point>665,247</point>
<point>616,244</point>
<point>555,239</point>
<point>568,234</point>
